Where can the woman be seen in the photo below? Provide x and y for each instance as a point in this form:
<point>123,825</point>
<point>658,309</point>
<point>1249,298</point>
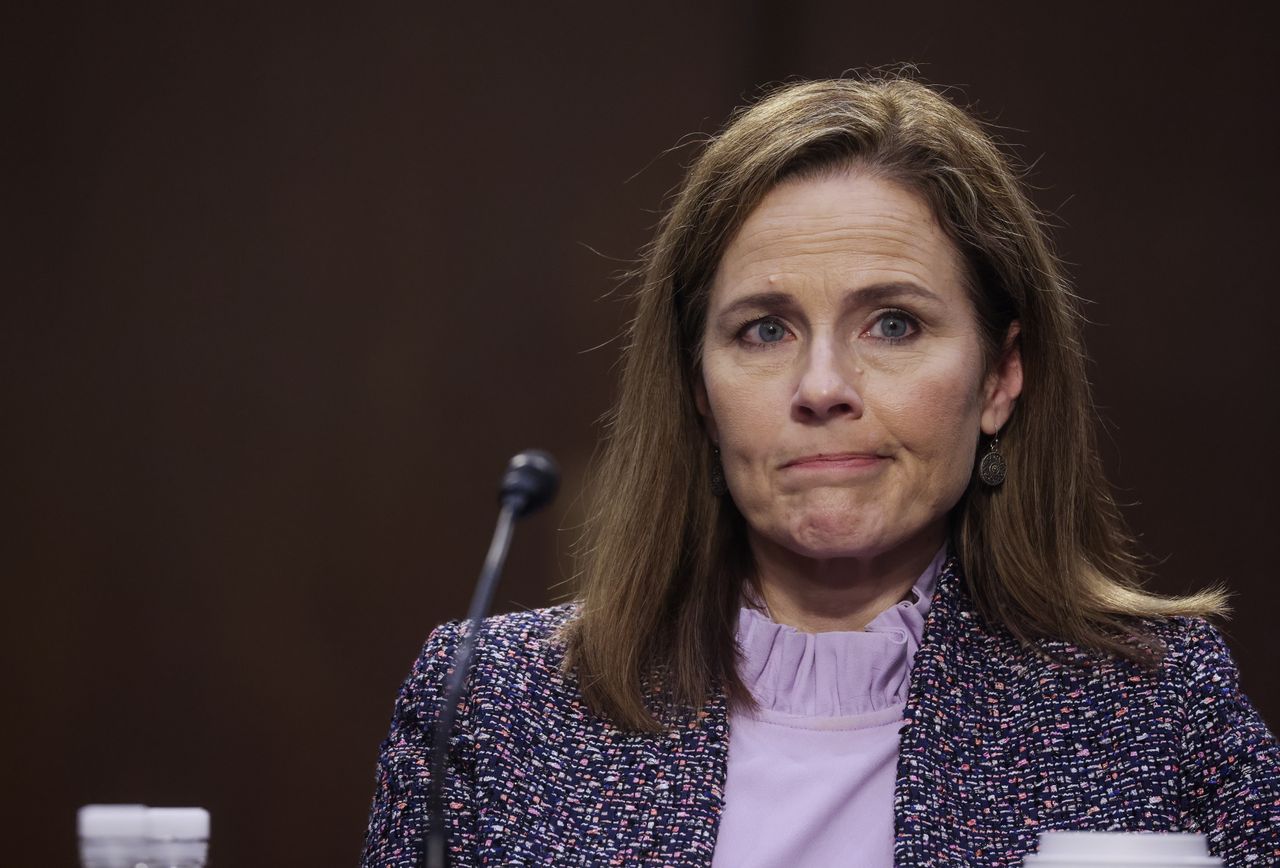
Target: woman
<point>854,590</point>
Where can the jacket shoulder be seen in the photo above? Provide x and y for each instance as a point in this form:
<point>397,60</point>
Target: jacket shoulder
<point>1190,646</point>
<point>518,646</point>
<point>528,622</point>
<point>522,643</point>
<point>525,635</point>
<point>1187,640</point>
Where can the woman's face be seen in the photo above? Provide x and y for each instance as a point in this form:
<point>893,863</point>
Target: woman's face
<point>842,373</point>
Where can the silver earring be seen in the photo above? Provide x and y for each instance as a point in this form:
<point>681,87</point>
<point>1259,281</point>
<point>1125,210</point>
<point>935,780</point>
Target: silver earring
<point>718,486</point>
<point>991,469</point>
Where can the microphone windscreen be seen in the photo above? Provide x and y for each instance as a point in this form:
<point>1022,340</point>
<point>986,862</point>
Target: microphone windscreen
<point>530,482</point>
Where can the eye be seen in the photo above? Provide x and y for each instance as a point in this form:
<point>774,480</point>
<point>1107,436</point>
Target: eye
<point>894,325</point>
<point>764,331</point>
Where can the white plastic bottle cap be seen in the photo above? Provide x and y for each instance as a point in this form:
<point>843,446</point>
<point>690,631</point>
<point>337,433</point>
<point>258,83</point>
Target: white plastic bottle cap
<point>1122,850</point>
<point>112,836</point>
<point>112,821</point>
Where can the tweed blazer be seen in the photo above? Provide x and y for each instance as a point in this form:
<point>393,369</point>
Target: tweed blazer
<point>998,744</point>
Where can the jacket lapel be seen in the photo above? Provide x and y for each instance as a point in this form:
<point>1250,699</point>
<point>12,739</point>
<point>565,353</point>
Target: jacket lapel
<point>689,791</point>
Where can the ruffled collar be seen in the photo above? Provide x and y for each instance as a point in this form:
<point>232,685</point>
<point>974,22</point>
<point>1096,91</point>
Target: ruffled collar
<point>838,673</point>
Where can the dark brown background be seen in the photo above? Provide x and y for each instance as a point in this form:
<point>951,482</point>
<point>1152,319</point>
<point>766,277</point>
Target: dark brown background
<point>288,286</point>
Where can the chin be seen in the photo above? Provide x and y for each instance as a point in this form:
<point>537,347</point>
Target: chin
<point>837,535</point>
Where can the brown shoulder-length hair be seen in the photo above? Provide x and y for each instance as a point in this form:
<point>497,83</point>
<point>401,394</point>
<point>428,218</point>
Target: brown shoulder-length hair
<point>663,561</point>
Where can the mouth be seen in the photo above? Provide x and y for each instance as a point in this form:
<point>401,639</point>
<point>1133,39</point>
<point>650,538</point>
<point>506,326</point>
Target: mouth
<point>824,460</point>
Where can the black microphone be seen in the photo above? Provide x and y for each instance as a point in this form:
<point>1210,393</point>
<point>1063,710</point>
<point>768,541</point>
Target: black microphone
<point>529,483</point>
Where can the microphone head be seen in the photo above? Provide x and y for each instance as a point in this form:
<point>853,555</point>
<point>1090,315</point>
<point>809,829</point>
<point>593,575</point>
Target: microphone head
<point>530,482</point>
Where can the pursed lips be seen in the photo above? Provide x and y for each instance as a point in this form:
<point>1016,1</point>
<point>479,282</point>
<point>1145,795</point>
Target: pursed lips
<point>836,459</point>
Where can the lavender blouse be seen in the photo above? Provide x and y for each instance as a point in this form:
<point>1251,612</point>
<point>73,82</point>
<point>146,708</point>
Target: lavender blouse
<point>811,772</point>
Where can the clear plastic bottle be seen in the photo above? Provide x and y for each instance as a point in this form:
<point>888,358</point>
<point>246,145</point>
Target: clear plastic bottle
<point>177,837</point>
<point>112,836</point>
<point>135,836</point>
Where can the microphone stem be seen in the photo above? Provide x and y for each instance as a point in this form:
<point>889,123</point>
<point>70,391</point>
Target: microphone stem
<point>436,855</point>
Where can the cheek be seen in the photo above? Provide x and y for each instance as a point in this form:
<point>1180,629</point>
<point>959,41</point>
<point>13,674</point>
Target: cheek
<point>745,402</point>
<point>935,413</point>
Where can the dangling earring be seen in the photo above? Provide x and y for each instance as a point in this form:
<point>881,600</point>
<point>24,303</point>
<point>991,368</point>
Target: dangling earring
<point>991,468</point>
<point>718,486</point>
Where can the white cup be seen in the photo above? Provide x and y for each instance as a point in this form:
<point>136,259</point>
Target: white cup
<point>1122,850</point>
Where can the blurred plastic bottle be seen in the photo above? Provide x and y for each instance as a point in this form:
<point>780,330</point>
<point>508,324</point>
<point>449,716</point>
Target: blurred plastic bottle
<point>111,836</point>
<point>135,836</point>
<point>177,837</point>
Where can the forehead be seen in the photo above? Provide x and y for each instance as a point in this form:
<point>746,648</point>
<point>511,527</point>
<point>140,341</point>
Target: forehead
<point>851,225</point>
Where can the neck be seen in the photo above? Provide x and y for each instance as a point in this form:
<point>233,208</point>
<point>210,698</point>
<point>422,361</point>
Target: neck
<point>817,595</point>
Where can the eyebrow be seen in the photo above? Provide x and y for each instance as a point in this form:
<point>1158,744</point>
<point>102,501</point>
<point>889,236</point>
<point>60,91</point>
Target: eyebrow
<point>876,293</point>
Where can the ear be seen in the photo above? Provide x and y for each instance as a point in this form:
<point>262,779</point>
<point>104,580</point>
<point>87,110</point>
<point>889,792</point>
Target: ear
<point>704,409</point>
<point>1004,383</point>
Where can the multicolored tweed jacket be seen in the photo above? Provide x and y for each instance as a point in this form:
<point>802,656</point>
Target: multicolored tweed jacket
<point>998,745</point>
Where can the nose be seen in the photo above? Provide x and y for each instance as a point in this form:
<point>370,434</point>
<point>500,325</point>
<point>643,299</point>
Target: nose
<point>826,388</point>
